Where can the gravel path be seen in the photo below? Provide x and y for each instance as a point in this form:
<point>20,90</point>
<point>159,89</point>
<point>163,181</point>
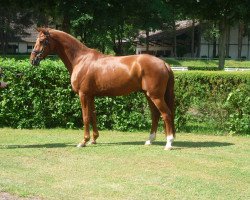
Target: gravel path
<point>7,196</point>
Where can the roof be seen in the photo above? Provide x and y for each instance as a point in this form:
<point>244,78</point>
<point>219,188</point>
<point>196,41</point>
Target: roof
<point>181,27</point>
<point>29,35</point>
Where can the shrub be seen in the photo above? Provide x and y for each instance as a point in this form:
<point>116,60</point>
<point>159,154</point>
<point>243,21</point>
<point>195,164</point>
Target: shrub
<point>218,98</point>
<point>238,110</point>
<point>42,98</point>
<point>203,68</point>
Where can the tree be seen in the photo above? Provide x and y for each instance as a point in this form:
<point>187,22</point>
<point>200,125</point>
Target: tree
<point>14,19</point>
<point>211,34</point>
<point>243,23</point>
<point>225,12</point>
<point>183,10</point>
<point>113,23</point>
<point>152,15</point>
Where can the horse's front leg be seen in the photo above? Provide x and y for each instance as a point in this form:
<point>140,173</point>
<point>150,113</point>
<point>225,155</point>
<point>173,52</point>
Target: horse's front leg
<point>86,114</point>
<point>93,122</point>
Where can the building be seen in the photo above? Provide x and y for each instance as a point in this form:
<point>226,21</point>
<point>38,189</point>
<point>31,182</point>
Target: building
<point>232,46</point>
<point>161,43</point>
<point>23,44</point>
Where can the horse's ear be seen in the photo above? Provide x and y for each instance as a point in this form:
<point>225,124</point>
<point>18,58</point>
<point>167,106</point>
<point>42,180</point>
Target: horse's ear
<point>38,29</point>
<point>43,30</point>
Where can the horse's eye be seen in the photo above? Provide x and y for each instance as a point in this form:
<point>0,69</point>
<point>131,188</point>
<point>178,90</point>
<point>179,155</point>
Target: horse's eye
<point>41,42</point>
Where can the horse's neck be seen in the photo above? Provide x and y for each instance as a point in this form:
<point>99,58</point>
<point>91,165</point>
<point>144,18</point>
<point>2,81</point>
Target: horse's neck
<point>69,50</point>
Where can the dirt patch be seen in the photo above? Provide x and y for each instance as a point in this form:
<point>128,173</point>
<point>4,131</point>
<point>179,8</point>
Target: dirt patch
<point>7,196</point>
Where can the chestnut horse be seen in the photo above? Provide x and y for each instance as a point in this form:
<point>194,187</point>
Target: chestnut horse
<point>95,74</point>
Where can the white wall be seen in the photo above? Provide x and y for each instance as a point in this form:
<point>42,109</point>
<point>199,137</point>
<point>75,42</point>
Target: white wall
<point>142,48</point>
<point>233,45</point>
<point>22,47</point>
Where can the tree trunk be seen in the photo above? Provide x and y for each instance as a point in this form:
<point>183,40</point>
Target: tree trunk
<point>228,42</point>
<point>2,42</point>
<point>5,43</point>
<point>240,38</point>
<point>175,42</point>
<point>192,38</point>
<point>214,47</point>
<point>147,41</point>
<point>66,23</point>
<point>199,41</point>
<point>222,42</point>
<point>118,40</point>
<point>248,49</point>
<point>214,43</point>
<point>117,47</point>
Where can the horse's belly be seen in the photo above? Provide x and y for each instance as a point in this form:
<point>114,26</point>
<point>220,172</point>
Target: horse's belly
<point>117,89</point>
<point>115,92</point>
<point>116,82</point>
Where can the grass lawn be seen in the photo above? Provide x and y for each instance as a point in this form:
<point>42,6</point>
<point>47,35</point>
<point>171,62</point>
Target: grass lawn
<point>207,63</point>
<point>46,164</point>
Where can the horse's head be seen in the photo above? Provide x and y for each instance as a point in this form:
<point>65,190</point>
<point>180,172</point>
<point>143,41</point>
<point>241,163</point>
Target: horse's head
<point>42,47</point>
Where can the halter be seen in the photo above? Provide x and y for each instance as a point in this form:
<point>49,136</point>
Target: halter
<point>39,54</point>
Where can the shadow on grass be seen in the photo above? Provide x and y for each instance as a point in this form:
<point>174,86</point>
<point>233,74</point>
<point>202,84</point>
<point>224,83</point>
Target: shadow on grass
<point>179,144</point>
<point>36,146</point>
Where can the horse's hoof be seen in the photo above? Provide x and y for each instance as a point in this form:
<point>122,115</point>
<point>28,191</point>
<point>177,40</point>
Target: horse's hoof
<point>81,145</point>
<point>168,148</point>
<point>148,142</point>
<point>91,142</point>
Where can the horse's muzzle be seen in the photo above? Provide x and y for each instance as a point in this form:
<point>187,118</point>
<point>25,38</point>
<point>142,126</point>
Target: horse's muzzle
<point>35,61</point>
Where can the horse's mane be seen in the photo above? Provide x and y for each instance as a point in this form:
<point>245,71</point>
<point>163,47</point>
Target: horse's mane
<point>62,36</point>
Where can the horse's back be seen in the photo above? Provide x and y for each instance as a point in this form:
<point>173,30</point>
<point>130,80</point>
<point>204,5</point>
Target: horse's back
<point>119,75</point>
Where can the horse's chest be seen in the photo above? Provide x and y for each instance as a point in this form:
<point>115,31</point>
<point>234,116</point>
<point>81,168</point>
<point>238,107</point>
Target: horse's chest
<point>79,82</point>
<point>74,82</point>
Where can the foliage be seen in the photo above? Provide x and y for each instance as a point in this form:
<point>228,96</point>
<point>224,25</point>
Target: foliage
<point>237,106</point>
<point>203,68</point>
<point>222,13</point>
<point>107,24</point>
<point>14,20</point>
<point>218,98</point>
<point>42,98</point>
<point>210,32</point>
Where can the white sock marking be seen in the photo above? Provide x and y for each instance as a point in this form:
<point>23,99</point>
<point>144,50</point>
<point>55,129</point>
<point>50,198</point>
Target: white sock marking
<point>152,137</point>
<point>170,139</point>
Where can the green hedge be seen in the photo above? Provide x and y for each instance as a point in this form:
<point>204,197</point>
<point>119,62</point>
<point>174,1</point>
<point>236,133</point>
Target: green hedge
<point>42,98</point>
<point>203,68</point>
<point>220,99</point>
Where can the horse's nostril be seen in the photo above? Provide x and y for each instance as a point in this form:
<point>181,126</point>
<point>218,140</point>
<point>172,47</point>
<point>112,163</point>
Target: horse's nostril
<point>35,62</point>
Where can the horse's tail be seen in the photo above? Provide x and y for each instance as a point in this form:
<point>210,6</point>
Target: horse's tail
<point>169,94</point>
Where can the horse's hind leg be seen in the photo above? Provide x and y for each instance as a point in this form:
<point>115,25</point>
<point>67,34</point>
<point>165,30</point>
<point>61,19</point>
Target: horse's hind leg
<point>167,118</point>
<point>155,116</point>
<point>93,122</point>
